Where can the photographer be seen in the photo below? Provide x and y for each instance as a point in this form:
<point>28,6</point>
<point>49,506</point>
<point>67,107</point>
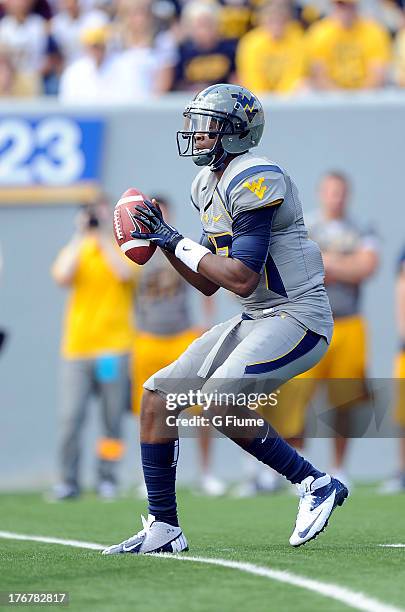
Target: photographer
<point>97,337</point>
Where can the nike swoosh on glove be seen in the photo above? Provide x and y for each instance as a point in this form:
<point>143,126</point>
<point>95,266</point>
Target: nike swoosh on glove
<point>159,232</point>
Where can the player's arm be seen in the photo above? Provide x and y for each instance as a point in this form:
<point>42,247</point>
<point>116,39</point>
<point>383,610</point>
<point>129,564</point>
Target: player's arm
<point>239,273</point>
<point>195,279</point>
<point>207,272</point>
<point>230,274</point>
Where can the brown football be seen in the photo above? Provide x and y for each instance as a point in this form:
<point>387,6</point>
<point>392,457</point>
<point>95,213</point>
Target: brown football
<point>136,249</point>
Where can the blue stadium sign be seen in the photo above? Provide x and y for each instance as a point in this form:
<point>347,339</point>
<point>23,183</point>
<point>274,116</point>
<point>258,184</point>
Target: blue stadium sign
<point>49,159</point>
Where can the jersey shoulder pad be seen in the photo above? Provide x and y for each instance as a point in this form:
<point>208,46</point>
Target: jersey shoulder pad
<point>254,183</point>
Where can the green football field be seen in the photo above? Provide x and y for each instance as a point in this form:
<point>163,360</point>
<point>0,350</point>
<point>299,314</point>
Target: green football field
<point>245,531</point>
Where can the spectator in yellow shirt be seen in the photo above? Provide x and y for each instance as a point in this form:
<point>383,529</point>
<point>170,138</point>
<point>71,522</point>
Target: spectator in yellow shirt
<point>347,51</point>
<point>97,339</point>
<point>271,58</point>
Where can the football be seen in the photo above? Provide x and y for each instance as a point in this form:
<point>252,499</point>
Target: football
<point>136,249</point>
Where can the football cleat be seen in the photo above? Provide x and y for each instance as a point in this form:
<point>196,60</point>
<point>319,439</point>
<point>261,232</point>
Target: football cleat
<point>155,537</point>
<point>319,498</point>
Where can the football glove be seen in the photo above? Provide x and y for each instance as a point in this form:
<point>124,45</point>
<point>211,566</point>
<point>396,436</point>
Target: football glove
<point>159,232</point>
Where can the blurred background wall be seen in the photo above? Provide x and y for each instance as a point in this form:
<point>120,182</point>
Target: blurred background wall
<point>360,134</point>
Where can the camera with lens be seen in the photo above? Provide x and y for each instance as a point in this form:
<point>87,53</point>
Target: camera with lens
<point>91,217</point>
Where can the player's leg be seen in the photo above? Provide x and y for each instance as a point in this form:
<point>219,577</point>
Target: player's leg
<point>287,417</point>
<point>150,354</point>
<point>277,349</point>
<point>159,439</point>
<point>76,386</point>
<point>262,361</point>
<point>160,446</point>
<point>159,451</point>
<point>112,384</point>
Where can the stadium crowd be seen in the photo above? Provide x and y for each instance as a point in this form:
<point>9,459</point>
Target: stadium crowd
<point>128,50</point>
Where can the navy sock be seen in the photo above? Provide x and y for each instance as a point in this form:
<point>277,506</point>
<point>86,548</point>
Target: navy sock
<point>159,462</point>
<point>279,455</point>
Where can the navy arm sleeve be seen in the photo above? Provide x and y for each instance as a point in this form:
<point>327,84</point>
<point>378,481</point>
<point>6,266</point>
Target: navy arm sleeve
<point>251,237</point>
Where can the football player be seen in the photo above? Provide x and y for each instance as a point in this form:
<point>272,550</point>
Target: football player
<point>254,244</point>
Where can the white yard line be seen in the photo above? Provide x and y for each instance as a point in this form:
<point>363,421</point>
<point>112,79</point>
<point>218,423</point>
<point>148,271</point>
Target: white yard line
<point>9,535</point>
<point>392,545</point>
<point>353,599</point>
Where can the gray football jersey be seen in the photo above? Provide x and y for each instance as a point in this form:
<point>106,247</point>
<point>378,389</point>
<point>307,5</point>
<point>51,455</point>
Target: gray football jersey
<point>292,277</point>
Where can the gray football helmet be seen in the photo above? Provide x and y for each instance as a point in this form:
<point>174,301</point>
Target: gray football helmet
<point>221,120</point>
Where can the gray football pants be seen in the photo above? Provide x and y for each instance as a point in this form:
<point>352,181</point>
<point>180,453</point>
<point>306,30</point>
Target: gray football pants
<point>78,383</point>
<point>235,354</point>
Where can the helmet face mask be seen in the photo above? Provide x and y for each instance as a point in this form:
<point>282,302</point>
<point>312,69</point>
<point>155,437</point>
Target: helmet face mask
<point>201,137</point>
<point>221,120</point>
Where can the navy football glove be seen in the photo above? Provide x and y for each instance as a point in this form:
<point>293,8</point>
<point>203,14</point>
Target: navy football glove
<point>159,232</point>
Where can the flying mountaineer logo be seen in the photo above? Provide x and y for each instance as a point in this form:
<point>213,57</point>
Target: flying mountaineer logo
<point>257,187</point>
<point>247,104</point>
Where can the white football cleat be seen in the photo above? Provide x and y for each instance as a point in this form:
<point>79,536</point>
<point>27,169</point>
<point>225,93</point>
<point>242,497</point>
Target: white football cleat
<point>315,508</point>
<point>155,537</point>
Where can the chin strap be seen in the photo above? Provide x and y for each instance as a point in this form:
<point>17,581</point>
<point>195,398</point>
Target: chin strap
<point>219,161</point>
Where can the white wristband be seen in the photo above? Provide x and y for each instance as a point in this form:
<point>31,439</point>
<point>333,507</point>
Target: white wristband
<point>190,253</point>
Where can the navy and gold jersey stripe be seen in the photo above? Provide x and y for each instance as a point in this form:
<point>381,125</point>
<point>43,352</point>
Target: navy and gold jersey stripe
<point>308,341</point>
